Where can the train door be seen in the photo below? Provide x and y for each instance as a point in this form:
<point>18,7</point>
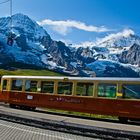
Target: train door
<point>22,92</point>
<point>16,91</point>
<point>4,92</point>
<point>31,89</point>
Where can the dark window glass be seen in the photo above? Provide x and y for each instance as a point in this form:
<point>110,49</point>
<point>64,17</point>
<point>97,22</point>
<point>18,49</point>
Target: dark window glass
<point>107,90</point>
<point>47,87</point>
<point>17,85</point>
<point>31,86</point>
<point>84,89</point>
<point>65,88</point>
<point>4,84</point>
<point>131,91</point>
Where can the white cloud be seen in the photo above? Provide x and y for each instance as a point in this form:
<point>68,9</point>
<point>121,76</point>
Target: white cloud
<point>63,27</point>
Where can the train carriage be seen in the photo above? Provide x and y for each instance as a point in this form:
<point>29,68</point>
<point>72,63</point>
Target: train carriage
<point>106,96</point>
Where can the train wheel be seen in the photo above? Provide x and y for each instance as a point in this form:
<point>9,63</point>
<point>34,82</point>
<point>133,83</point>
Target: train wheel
<point>21,107</point>
<point>12,106</point>
<point>33,108</point>
<point>123,119</point>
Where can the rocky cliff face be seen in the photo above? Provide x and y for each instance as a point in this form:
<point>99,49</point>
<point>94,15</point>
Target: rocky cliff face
<point>34,48</point>
<point>131,56</point>
<point>84,55</point>
<point>115,55</point>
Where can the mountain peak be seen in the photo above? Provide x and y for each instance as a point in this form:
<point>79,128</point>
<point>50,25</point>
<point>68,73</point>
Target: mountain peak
<point>126,33</point>
<point>22,24</point>
<point>123,38</point>
<point>20,15</point>
<point>22,19</point>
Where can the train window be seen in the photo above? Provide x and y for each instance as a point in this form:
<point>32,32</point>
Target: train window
<point>17,85</point>
<point>31,86</point>
<point>131,91</point>
<point>84,89</point>
<point>65,88</point>
<point>107,90</point>
<point>47,87</point>
<point>4,87</point>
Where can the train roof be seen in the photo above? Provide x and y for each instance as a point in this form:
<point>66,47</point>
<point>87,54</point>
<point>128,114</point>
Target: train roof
<point>73,78</point>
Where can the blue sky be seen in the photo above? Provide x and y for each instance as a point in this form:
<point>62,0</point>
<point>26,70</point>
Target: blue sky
<point>76,21</point>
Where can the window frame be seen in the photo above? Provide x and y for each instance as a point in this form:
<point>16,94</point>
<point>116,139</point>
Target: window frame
<point>21,85</point>
<point>90,83</point>
<point>107,84</point>
<point>72,86</point>
<point>30,85</point>
<point>47,92</point>
<point>3,84</point>
<point>123,94</point>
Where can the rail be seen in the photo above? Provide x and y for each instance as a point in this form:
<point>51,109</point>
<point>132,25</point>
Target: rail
<point>84,130</point>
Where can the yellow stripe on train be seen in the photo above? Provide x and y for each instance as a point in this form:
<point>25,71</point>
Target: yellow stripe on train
<point>119,94</point>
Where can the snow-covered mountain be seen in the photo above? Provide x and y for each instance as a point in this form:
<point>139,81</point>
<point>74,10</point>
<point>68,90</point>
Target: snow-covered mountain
<point>111,45</point>
<point>22,24</point>
<point>122,48</point>
<point>34,48</point>
<point>32,45</point>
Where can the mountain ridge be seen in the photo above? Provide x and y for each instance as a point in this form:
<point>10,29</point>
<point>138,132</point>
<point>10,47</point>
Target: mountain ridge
<point>34,46</point>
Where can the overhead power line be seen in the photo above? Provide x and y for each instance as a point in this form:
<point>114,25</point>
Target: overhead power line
<point>11,6</point>
<point>10,38</point>
<point>4,2</point>
<point>10,10</point>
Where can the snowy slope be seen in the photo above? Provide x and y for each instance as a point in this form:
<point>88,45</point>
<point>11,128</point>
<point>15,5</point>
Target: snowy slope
<point>34,46</point>
<point>111,51</point>
<point>106,68</point>
<point>110,46</point>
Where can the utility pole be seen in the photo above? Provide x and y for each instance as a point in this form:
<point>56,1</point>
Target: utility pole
<point>11,15</point>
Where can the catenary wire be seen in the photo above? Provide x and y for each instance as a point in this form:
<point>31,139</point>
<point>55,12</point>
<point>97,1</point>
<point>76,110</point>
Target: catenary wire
<point>4,2</point>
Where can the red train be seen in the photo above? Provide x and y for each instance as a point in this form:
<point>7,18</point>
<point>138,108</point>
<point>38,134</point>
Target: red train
<point>106,96</point>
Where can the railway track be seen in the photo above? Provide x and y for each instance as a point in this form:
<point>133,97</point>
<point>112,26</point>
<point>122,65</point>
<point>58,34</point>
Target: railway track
<point>134,122</point>
<point>66,126</point>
